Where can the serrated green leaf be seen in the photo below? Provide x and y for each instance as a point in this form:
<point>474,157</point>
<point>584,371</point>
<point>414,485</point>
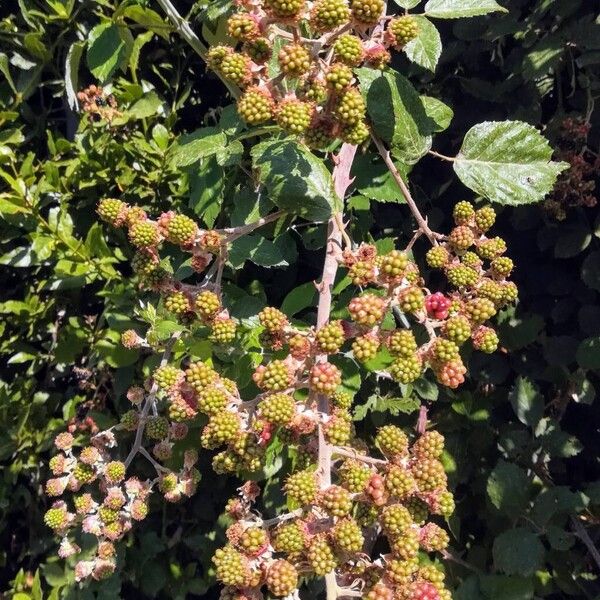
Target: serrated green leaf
<point>508,488</point>
<point>192,147</point>
<point>296,180</point>
<point>261,251</point>
<point>425,50</point>
<point>527,402</point>
<point>393,406</point>
<point>502,587</point>
<point>106,50</point>
<point>407,3</point>
<point>299,298</point>
<point>441,114</point>
<point>455,9</point>
<point>518,552</point>
<point>508,162</point>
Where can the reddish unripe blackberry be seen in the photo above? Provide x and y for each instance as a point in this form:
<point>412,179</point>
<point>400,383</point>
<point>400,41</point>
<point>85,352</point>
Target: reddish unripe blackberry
<point>144,234</point>
<point>278,409</point>
<point>299,346</point>
<point>252,541</point>
<point>399,482</point>
<point>242,27</point>
<point>443,350</point>
<point>395,520</point>
<point>429,474</point>
<point>338,430</point>
<point>236,68</point>
<point>350,107</point>
<point>411,299</point>
<point>331,337</point>
<point>451,373</point>
<point>429,445</point>
<point>275,376</point>
<point>181,230</point>
<point>484,218</point>
<point>401,342</point>
<point>290,538</point>
<point>131,340</point>
<point>284,9</point>
<point>167,377</point>
<point>231,567</point>
<point>406,545</point>
<point>335,500</point>
<point>326,15</point>
<point>207,305</point>
<point>180,410</point>
<point>367,309</point>
<point>347,535</point>
<point>406,369</point>
<point>365,347</point>
<point>457,329</point>
<point>199,375</point>
<point>258,49</point>
<point>461,238</point>
<point>157,428</point>
<point>437,305</point>
<point>379,591</point>
<point>401,571</point>
<point>354,134</point>
<point>423,590</point>
<point>490,249</point>
<point>294,60</point>
<point>433,538</point>
<point>354,475</point>
<point>282,578</point>
<point>485,339</point>
<point>223,330</point>
<point>321,556</point>
<point>392,441</point>
<point>325,378</point>
<point>56,518</point>
<point>112,211</point>
<point>367,12</point>
<point>502,266</point>
<point>463,212</point>
<point>349,50</point>
<point>339,76</point>
<point>480,310</point>
<point>462,276</point>
<point>294,116</point>
<point>301,487</point>
<point>222,428</point>
<point>256,106</point>
<point>402,30</point>
<point>178,303</point>
<point>437,257</point>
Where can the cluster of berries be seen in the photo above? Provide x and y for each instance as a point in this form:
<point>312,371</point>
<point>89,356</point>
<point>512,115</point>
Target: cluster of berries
<point>576,186</point>
<point>97,104</point>
<point>334,528</point>
<point>105,502</point>
<point>309,88</point>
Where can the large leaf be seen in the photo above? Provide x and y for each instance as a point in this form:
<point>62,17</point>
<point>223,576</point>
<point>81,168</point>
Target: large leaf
<point>440,114</point>
<point>527,402</point>
<point>296,180</point>
<point>397,113</point>
<point>508,162</point>
<point>518,552</point>
<point>106,50</point>
<point>454,9</point>
<point>201,143</point>
<point>426,48</point>
<point>508,488</point>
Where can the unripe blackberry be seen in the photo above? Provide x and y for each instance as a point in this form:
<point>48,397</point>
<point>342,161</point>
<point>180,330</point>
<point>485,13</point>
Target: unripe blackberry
<point>401,342</point>
<point>437,305</point>
<point>339,76</point>
<point>399,482</point>
<point>402,30</point>
<point>211,241</point>
<point>242,27</point>
<point>108,515</point>
<point>470,259</point>
<point>510,292</point>
<point>411,299</point>
<point>379,591</point>
<point>446,504</point>
<point>282,578</point>
<point>326,15</point>
<point>432,574</point>
<point>294,60</point>
<point>480,309</point>
<point>406,369</point>
<point>84,473</point>
<point>331,337</point>
<point>320,133</point>
<point>457,329</point>
<point>502,266</point>
<point>231,567</point>
<point>114,472</point>
<point>167,377</point>
<point>178,303</point>
<point>56,518</point>
<point>284,9</point>
<point>199,375</point>
<point>335,500</point>
<point>365,347</point>
<point>272,319</point>
<point>252,541</point>
<point>135,214</point>
<point>275,376</point>
<point>462,276</point>
<point>429,445</point>
<point>362,272</point>
<point>338,430</point>
<point>144,264</point>
<point>490,249</point>
<point>349,50</point>
<point>418,509</point>
<point>433,538</point>
<point>290,538</point>
<point>299,347</point>
<point>144,234</point>
<point>301,487</point>
<point>226,462</point>
<point>400,571</point>
<point>222,428</point>
<point>211,400</point>
<point>463,212</point>
<point>392,266</point>
<point>395,520</point>
<point>366,514</point>
<point>485,339</point>
<point>429,474</point>
<point>216,55</point>
<point>256,106</point>
<point>157,428</point>
<point>354,475</point>
<point>424,590</point>
<point>320,556</point>
<point>367,309</point>
<point>112,211</point>
<point>313,90</point>
<point>443,350</point>
<point>341,400</point>
<point>278,409</point>
<point>451,373</point>
<point>236,68</point>
<point>484,218</point>
<point>324,378</point>
<point>180,410</point>
<point>367,12</point>
<point>207,305</point>
<point>354,134</point>
<point>129,420</point>
<point>350,107</point>
<point>347,535</point>
<point>181,230</point>
<point>223,330</point>
<point>461,238</point>
<point>392,441</point>
<point>259,49</point>
<point>437,257</point>
<point>293,115</point>
<point>406,545</point>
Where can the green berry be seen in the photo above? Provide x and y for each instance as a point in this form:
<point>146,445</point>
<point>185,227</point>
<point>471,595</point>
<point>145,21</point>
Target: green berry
<point>406,369</point>
<point>326,15</point>
<point>365,347</point>
<point>401,342</point>
<point>289,538</point>
<point>284,9</point>
<point>349,50</point>
<point>278,409</point>
<point>350,107</point>
<point>274,376</point>
<point>490,249</point>
<point>391,440</point>
<point>437,257</point>
<point>462,276</point>
<point>485,218</point>
<point>395,520</point>
<point>212,400</point>
<point>282,578</point>
<point>256,106</point>
<point>231,566</point>
<point>144,234</point>
<point>178,303</point>
<point>330,337</point>
<point>301,487</point>
<point>294,116</point>
<point>355,134</point>
<point>236,68</point>
<point>367,309</point>
<point>367,12</point>
<point>485,339</point>
<point>502,266</point>
<point>411,299</point>
<point>167,376</point>
<point>443,350</point>
<point>253,540</point>
<point>222,428</point>
<point>429,474</point>
<point>480,310</point>
<point>402,30</point>
<point>223,331</point>
<point>199,375</point>
<point>463,212</point>
<point>84,473</point>
<point>242,27</point>
<point>336,501</point>
<point>112,211</point>
<point>259,49</point>
<point>339,77</point>
<point>56,518</point>
<point>429,445</point>
<point>354,475</point>
<point>347,535</point>
<point>181,230</point>
<point>207,305</point>
<point>320,556</point>
<point>457,329</point>
<point>294,60</point>
<point>157,428</point>
<point>114,472</point>
<point>399,482</point>
<point>461,238</point>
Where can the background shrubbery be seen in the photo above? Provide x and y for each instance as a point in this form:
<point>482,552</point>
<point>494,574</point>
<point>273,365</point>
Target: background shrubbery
<point>522,433</point>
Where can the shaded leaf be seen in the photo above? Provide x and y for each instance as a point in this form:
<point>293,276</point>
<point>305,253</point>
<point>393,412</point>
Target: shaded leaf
<point>518,552</point>
<point>508,488</point>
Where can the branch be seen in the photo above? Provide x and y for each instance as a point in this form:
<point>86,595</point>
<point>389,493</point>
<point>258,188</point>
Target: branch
<point>389,163</point>
<point>185,31</point>
<point>233,233</point>
<point>583,535</point>
<point>359,457</point>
